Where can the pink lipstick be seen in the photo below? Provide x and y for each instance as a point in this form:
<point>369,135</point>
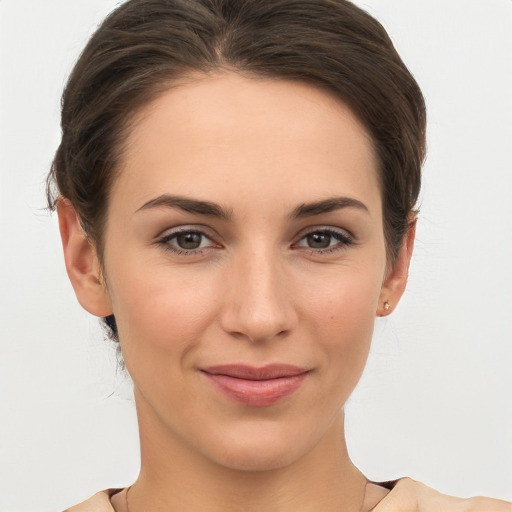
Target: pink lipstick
<point>256,387</point>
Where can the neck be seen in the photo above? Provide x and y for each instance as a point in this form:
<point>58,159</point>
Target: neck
<point>174,476</point>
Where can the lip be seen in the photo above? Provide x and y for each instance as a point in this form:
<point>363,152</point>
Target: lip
<point>256,386</point>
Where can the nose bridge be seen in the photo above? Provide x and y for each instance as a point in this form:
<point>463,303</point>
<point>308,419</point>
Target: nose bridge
<point>258,304</point>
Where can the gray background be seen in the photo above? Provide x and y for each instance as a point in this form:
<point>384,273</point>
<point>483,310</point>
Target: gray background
<point>435,400</point>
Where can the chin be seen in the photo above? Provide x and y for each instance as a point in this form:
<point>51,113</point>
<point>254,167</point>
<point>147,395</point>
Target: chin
<point>263,450</point>
<point>259,459</point>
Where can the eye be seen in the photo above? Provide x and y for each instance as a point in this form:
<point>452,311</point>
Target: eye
<point>325,240</point>
<point>186,241</point>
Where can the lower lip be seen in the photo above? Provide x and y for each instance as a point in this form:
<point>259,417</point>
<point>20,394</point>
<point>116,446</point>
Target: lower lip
<point>257,393</point>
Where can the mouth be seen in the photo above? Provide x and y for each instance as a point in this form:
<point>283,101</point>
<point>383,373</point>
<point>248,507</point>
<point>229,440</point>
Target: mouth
<point>256,386</point>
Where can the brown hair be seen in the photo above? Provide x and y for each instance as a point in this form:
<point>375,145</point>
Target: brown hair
<point>145,45</point>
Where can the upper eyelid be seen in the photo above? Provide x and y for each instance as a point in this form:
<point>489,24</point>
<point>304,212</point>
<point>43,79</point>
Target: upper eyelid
<point>193,228</point>
<point>323,228</point>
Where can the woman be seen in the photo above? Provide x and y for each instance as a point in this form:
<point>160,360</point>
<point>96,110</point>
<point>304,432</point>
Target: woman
<point>236,189</point>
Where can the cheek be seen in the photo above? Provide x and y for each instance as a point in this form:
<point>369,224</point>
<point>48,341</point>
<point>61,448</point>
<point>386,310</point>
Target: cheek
<point>346,301</point>
<point>343,317</point>
<point>161,310</point>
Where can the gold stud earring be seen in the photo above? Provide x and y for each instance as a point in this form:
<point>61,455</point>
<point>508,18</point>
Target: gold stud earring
<point>386,306</point>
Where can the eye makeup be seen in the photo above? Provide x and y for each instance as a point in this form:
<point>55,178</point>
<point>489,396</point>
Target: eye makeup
<point>187,241</point>
<point>191,241</point>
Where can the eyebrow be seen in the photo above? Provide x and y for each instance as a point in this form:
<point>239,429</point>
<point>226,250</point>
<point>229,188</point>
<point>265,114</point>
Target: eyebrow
<point>214,210</point>
<point>327,206</point>
<point>188,205</point>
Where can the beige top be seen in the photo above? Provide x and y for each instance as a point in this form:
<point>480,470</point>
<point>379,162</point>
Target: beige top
<point>407,495</point>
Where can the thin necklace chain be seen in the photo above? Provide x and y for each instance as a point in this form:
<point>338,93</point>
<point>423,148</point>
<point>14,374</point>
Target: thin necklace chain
<point>128,507</point>
<point>126,499</point>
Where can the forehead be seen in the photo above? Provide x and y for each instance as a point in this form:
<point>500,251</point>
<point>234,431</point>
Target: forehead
<point>241,139</point>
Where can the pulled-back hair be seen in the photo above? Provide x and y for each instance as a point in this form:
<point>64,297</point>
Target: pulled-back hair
<point>144,46</point>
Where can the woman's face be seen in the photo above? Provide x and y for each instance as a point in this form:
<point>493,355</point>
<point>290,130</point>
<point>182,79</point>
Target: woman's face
<point>244,262</point>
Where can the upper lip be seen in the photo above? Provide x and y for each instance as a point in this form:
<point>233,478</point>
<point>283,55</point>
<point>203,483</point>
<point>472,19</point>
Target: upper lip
<point>242,371</point>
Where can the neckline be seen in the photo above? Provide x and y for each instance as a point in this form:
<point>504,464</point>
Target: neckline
<point>376,493</point>
<point>368,505</point>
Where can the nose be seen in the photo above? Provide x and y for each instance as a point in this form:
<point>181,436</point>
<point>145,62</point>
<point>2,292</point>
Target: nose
<point>258,300</point>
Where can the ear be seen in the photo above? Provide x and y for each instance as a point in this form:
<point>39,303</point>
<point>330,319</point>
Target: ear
<point>396,277</point>
<point>82,262</point>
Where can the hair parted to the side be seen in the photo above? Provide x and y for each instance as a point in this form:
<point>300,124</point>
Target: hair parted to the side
<point>144,46</point>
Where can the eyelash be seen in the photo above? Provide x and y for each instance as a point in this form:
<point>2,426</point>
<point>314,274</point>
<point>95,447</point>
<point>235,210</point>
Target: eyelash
<point>344,240</point>
<point>343,237</point>
<point>166,239</point>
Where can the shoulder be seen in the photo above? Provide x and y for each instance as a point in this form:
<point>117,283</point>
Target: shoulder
<point>100,502</point>
<point>411,496</point>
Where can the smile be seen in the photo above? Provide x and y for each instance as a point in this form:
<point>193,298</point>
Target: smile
<point>256,387</point>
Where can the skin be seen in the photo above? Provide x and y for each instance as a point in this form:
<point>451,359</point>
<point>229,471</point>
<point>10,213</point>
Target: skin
<point>255,292</point>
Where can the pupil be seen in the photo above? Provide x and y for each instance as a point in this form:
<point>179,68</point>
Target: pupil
<point>319,240</point>
<point>189,240</point>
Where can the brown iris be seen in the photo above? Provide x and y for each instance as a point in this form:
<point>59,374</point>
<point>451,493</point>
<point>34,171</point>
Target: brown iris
<point>189,241</point>
<point>319,240</point>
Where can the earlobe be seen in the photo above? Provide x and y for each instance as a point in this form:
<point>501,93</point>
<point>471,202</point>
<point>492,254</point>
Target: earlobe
<point>396,279</point>
<point>82,263</point>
